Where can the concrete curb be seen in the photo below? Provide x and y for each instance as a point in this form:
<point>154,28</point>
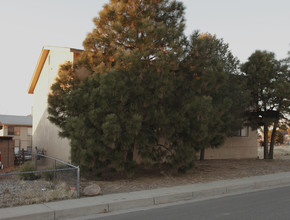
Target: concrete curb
<point>123,201</point>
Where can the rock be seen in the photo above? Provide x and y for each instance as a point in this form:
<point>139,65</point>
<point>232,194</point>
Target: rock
<point>92,190</point>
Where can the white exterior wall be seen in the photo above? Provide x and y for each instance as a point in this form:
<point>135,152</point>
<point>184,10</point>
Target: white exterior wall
<point>45,134</point>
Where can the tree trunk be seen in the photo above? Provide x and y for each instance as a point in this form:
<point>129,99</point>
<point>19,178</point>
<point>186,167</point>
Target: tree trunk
<point>130,154</point>
<point>271,152</point>
<point>266,155</point>
<point>202,152</point>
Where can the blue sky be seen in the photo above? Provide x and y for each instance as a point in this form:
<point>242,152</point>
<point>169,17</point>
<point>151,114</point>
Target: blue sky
<point>28,25</point>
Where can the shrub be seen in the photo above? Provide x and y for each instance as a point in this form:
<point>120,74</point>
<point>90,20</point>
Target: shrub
<point>48,176</point>
<point>28,167</point>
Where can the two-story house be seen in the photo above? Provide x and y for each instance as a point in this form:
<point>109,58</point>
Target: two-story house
<point>19,128</point>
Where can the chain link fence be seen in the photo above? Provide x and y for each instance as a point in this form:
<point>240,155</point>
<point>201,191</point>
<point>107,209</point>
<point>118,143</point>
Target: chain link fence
<point>40,179</point>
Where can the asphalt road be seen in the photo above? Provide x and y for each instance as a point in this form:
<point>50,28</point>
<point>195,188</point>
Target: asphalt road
<point>267,204</point>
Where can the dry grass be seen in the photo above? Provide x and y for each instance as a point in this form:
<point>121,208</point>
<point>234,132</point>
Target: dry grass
<point>36,194</point>
<point>56,192</point>
<point>26,189</point>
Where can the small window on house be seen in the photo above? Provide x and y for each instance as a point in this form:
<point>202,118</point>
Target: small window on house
<point>13,131</point>
<point>29,131</point>
<point>10,130</point>
<point>243,132</point>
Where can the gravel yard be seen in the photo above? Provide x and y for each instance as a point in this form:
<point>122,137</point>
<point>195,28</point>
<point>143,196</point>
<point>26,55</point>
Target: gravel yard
<point>14,191</point>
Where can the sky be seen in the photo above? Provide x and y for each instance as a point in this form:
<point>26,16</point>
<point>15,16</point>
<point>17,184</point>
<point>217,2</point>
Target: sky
<point>28,25</point>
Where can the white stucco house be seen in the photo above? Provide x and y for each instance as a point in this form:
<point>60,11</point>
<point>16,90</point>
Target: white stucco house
<point>45,134</point>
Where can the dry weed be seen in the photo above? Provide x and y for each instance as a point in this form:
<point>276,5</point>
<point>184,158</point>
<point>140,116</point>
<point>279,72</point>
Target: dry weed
<point>36,194</point>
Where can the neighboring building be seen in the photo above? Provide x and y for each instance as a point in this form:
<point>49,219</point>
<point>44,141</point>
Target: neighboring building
<point>19,128</point>
<point>243,145</point>
<point>45,134</point>
<point>7,152</point>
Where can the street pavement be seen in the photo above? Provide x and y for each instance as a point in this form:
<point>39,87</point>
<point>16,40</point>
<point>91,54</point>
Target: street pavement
<point>268,204</point>
<point>77,208</point>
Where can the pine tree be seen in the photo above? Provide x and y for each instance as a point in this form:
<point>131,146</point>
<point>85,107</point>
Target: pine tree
<point>216,78</point>
<point>268,82</point>
<point>149,91</point>
<point>130,31</point>
<point>132,55</point>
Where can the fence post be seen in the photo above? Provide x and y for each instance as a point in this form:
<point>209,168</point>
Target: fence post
<point>78,182</point>
<point>1,166</point>
<point>54,168</point>
<point>35,158</point>
<point>23,156</point>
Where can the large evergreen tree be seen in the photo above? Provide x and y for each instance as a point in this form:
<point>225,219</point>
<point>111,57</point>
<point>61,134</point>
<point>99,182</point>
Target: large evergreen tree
<point>216,78</point>
<point>147,91</point>
<point>268,80</point>
<point>130,31</point>
<point>128,102</point>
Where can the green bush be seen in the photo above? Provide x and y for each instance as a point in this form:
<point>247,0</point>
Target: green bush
<point>28,167</point>
<point>48,176</point>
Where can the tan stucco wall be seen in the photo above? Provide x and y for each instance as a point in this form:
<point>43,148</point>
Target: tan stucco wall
<point>236,148</point>
<point>45,134</point>
<point>233,148</point>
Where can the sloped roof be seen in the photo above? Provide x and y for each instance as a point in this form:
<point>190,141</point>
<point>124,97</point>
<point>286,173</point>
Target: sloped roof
<point>41,61</point>
<point>16,120</point>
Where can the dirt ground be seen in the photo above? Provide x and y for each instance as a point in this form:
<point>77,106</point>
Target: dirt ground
<point>14,191</point>
<point>204,171</point>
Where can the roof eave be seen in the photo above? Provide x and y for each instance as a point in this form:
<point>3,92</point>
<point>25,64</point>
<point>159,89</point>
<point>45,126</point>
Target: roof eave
<point>38,69</point>
<point>16,125</point>
<point>41,61</point>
